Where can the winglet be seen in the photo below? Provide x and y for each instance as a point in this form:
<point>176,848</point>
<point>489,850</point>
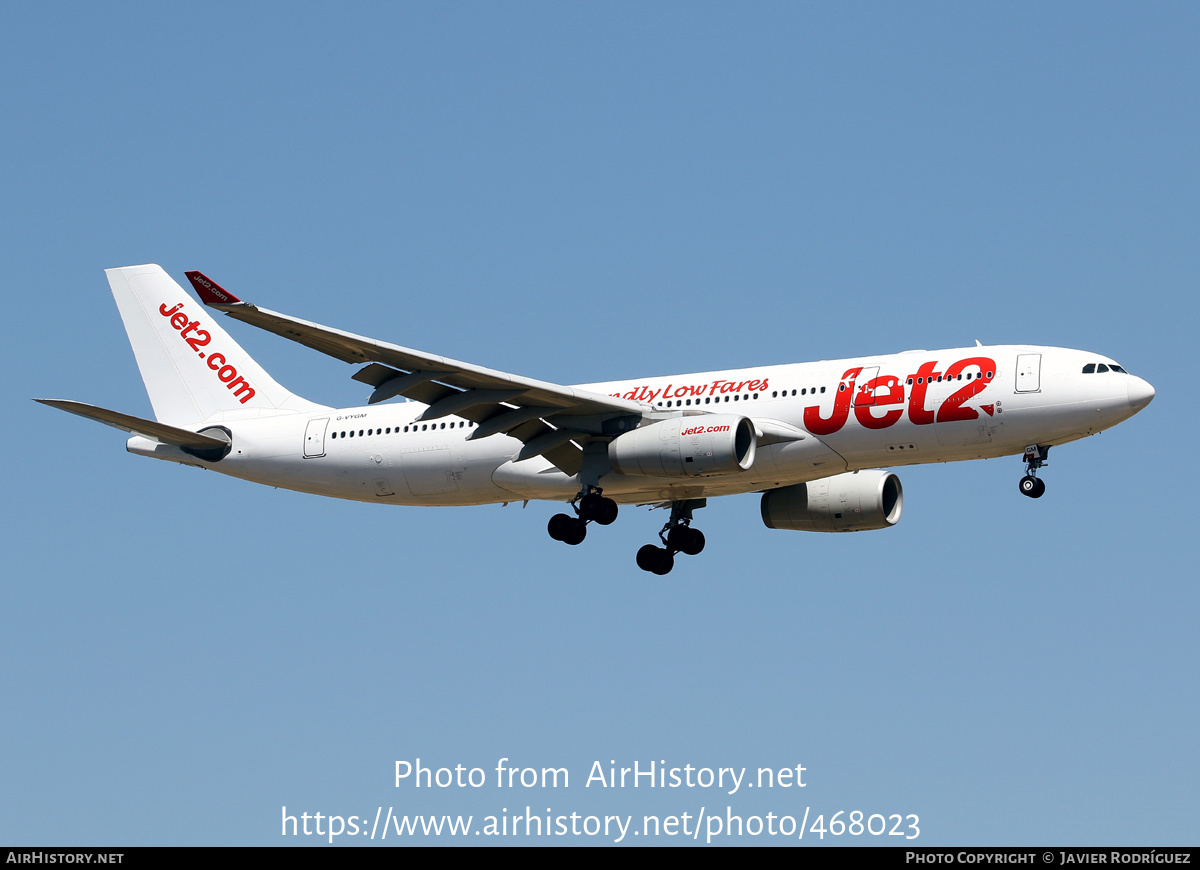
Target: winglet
<point>209,291</point>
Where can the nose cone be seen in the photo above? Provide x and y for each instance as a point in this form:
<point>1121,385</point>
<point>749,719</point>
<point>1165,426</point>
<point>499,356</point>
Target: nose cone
<point>1140,393</point>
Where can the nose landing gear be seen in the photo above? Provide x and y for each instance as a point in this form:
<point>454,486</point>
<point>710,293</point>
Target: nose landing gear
<point>677,536</point>
<point>1035,457</point>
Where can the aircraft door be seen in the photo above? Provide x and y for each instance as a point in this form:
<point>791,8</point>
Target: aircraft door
<point>314,438</point>
<point>1029,372</point>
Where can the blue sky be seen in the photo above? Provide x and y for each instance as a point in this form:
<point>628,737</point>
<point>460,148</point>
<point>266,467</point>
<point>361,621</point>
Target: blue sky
<point>582,193</point>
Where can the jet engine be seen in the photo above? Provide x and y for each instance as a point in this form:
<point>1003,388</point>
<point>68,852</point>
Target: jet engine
<point>686,447</point>
<point>851,502</point>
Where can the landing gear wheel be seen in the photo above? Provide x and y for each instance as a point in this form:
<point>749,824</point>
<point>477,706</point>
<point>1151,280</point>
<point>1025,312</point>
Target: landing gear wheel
<point>557,527</point>
<point>1032,486</point>
<point>568,529</point>
<point>575,532</point>
<point>685,539</point>
<point>591,505</point>
<point>603,510</point>
<point>656,560</point>
<point>594,506</point>
<point>647,557</point>
<point>1035,457</point>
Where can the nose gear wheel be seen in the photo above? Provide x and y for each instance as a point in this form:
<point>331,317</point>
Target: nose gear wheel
<point>1035,457</point>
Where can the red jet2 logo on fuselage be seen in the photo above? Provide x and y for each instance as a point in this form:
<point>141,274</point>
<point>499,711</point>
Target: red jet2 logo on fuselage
<point>870,399</point>
<point>196,339</point>
<point>881,393</point>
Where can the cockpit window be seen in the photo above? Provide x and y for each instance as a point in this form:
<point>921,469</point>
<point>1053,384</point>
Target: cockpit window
<point>1094,368</point>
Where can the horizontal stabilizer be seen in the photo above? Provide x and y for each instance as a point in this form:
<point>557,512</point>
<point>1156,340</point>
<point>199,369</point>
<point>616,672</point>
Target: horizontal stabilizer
<point>160,432</point>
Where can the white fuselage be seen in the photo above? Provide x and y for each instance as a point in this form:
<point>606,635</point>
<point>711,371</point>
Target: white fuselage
<point>870,412</point>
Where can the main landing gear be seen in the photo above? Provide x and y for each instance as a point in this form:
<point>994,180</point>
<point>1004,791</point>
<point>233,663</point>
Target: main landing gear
<point>589,506</point>
<point>1035,458</point>
<point>677,536</point>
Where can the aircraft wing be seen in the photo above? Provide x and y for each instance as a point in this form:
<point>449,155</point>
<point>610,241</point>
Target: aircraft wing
<point>547,418</point>
<point>137,426</point>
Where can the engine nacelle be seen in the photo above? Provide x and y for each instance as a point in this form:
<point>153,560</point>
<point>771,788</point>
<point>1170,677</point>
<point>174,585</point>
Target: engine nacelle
<point>686,447</point>
<point>851,502</point>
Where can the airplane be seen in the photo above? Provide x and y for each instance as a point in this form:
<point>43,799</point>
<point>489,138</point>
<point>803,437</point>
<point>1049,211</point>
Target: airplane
<point>814,438</point>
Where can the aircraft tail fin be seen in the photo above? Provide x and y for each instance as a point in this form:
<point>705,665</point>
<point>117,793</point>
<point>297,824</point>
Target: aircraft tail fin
<point>193,370</point>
